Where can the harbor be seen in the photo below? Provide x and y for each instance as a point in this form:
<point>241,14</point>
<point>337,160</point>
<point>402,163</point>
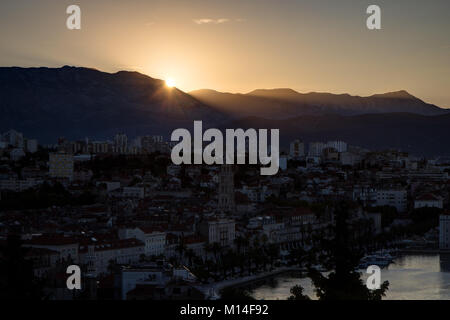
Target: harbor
<point>410,276</point>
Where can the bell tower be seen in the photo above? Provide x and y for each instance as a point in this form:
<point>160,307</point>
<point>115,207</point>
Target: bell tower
<point>226,189</point>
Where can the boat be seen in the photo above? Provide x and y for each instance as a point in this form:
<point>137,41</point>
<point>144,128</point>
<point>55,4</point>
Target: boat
<point>381,260</point>
<point>212,295</point>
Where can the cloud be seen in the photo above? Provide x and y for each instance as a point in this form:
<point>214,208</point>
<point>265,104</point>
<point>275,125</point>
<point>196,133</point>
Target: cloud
<point>211,21</point>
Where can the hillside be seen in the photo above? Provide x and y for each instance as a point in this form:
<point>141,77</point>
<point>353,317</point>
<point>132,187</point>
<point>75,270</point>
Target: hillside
<point>77,102</point>
<point>287,103</point>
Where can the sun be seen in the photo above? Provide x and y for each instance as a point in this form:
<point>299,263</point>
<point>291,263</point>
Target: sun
<point>170,82</point>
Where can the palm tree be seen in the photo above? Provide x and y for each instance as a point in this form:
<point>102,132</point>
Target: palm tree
<point>216,248</point>
<point>17,280</point>
<point>190,254</point>
<point>207,248</point>
<point>240,243</point>
<point>302,232</point>
<point>309,230</point>
<point>342,255</point>
<point>111,266</point>
<point>264,256</point>
<point>264,239</point>
<point>297,293</point>
<point>241,262</point>
<point>273,252</point>
<point>181,248</point>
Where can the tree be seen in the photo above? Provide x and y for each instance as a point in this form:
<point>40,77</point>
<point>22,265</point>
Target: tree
<point>388,214</point>
<point>240,243</point>
<point>181,248</point>
<point>297,293</point>
<point>264,256</point>
<point>273,251</point>
<point>17,279</point>
<point>216,248</point>
<point>190,255</point>
<point>429,215</point>
<point>342,255</point>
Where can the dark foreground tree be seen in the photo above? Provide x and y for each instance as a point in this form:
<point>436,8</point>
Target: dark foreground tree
<point>17,280</point>
<point>297,293</point>
<point>342,253</point>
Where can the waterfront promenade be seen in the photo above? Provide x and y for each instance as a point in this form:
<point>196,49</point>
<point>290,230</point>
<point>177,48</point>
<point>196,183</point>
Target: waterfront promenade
<point>213,290</point>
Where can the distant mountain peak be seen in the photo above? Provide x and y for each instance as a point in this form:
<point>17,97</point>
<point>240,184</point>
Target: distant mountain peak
<point>401,94</point>
<point>284,103</point>
<point>276,91</point>
<point>203,91</point>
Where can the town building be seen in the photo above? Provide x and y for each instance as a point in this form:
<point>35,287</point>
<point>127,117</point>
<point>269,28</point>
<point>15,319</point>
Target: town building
<point>67,247</point>
<point>13,138</point>
<point>297,149</point>
<point>133,192</point>
<point>16,154</point>
<point>316,149</point>
<point>121,143</point>
<point>392,197</point>
<point>153,238</point>
<point>98,256</point>
<point>428,200</point>
<point>221,231</point>
<point>31,145</point>
<point>19,185</point>
<point>340,146</point>
<point>61,165</point>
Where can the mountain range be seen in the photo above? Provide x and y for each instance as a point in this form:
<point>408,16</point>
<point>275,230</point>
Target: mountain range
<point>287,103</point>
<point>77,102</point>
<point>46,103</point>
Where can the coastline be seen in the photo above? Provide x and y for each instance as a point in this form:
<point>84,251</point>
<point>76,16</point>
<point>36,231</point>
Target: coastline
<point>217,287</point>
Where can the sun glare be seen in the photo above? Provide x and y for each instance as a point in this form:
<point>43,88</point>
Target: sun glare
<point>170,82</point>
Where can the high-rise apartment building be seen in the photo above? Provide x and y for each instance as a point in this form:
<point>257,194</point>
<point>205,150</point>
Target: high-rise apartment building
<point>340,146</point>
<point>297,149</point>
<point>316,149</point>
<point>121,143</point>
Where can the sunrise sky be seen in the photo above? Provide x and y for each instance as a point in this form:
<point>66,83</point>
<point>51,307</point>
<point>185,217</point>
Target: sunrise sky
<point>241,45</point>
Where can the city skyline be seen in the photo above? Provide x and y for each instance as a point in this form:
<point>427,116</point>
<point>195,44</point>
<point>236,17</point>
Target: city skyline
<point>210,157</point>
<point>238,46</point>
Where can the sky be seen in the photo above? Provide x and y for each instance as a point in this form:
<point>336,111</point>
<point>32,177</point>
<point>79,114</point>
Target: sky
<point>242,45</point>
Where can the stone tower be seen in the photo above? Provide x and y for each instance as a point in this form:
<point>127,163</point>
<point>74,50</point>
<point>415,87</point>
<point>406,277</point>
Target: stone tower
<point>226,189</point>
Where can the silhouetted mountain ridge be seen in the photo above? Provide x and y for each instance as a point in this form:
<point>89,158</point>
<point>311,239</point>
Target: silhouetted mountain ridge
<point>78,102</point>
<point>46,103</point>
<point>286,103</point>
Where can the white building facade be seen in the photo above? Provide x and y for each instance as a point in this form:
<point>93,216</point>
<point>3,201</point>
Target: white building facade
<point>220,231</point>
